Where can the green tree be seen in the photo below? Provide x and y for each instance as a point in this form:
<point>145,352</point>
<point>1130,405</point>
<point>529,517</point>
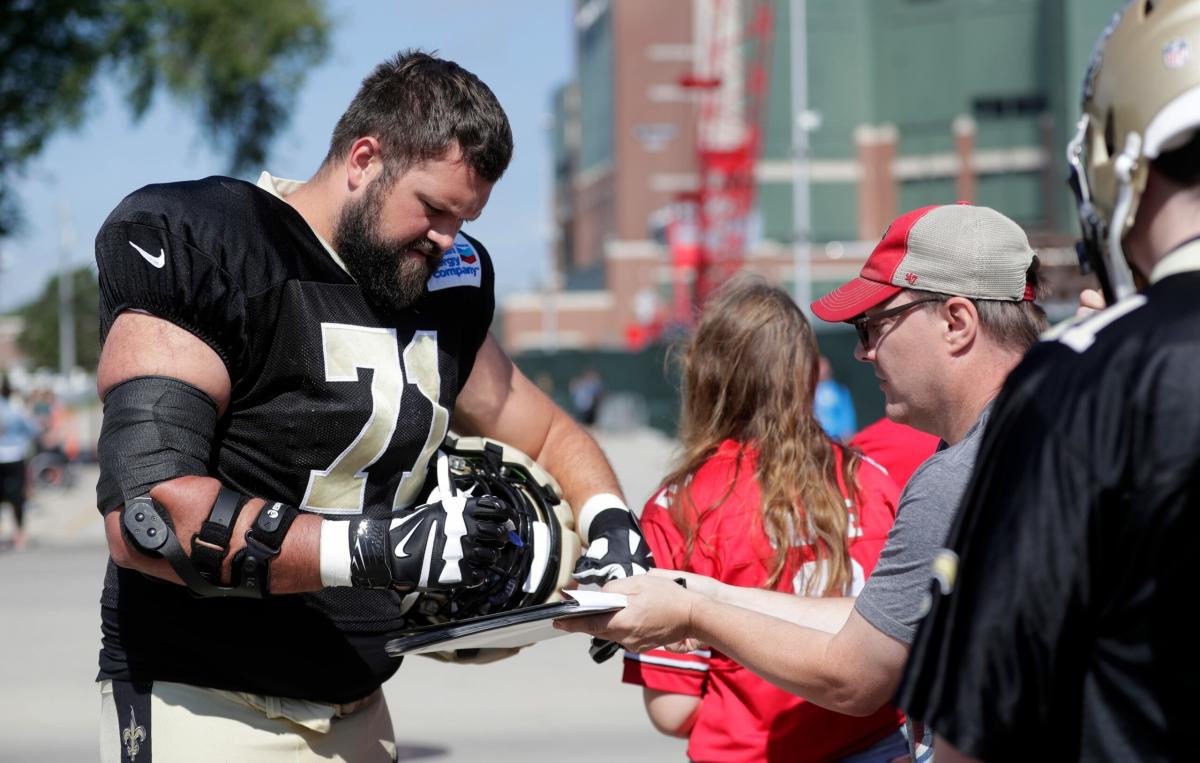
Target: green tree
<point>238,63</point>
<point>39,337</point>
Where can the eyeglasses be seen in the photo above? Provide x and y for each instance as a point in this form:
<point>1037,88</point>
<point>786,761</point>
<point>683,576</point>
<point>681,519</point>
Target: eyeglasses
<point>863,324</point>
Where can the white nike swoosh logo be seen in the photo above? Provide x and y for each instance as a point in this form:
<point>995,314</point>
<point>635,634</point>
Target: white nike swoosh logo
<point>404,542</point>
<point>157,262</point>
<point>416,515</point>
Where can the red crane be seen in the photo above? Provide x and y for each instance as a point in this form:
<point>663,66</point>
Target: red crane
<point>708,237</point>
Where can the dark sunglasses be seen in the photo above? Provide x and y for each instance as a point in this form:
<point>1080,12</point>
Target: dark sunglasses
<point>862,324</point>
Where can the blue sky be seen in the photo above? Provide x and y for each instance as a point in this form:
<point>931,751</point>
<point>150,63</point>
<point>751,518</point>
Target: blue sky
<point>520,48</point>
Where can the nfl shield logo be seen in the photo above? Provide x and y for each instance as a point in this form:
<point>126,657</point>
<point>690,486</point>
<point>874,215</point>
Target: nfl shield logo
<point>1176,53</point>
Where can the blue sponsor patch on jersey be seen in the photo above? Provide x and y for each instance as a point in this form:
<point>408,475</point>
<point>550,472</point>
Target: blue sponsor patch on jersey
<point>460,266</point>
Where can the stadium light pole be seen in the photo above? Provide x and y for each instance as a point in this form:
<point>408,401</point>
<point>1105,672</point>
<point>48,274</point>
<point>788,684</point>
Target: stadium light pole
<point>4,257</point>
<point>801,211</point>
<point>66,293</point>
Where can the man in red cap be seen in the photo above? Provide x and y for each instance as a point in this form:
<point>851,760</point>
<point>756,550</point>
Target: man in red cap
<point>969,269</point>
<point>944,310</point>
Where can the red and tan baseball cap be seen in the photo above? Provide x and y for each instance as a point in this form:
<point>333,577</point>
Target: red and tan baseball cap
<point>955,249</point>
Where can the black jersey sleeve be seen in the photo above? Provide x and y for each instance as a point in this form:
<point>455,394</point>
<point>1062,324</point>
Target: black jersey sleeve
<point>1061,553</point>
<point>997,649</point>
<point>144,265</point>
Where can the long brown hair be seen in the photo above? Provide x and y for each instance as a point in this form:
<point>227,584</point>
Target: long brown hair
<point>749,374</point>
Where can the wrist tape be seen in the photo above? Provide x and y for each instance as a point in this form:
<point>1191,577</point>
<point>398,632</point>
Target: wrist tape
<point>593,506</point>
<point>335,553</point>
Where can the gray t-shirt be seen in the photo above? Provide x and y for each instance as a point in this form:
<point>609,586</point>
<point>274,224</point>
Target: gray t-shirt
<point>895,597</point>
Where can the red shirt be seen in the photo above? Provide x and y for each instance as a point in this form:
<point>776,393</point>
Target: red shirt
<point>899,448</point>
<point>741,716</point>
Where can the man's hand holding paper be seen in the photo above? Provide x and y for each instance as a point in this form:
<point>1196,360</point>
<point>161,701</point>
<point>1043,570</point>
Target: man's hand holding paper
<point>657,612</point>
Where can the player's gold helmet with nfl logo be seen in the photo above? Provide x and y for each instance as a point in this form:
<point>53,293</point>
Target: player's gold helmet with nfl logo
<point>1141,99</point>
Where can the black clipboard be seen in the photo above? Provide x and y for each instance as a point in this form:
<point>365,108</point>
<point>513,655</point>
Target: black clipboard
<point>504,629</point>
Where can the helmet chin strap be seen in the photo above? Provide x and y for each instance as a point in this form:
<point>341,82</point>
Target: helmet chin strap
<point>1119,273</point>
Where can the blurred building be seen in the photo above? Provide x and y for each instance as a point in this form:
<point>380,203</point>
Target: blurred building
<point>884,105</point>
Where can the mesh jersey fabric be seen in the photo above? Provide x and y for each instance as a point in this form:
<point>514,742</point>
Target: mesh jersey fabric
<point>742,717</point>
<point>1063,628</point>
<point>243,271</point>
<point>990,254</point>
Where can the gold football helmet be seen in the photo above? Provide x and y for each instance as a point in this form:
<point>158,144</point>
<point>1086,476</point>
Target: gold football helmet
<point>1141,99</point>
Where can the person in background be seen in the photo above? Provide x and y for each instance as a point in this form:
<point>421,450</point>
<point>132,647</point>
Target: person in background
<point>898,448</point>
<point>48,413</point>
<point>761,497</point>
<point>944,309</point>
<point>17,433</point>
<point>587,391</point>
<point>833,404</point>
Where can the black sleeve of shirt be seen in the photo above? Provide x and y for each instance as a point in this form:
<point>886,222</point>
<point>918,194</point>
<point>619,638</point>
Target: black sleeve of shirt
<point>994,657</point>
<point>144,266</point>
<point>1063,634</point>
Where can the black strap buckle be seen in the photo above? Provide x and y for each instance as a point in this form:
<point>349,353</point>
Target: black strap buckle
<point>264,540</point>
<point>211,544</point>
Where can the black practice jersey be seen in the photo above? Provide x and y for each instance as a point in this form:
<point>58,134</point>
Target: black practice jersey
<point>336,408</point>
<point>1059,632</point>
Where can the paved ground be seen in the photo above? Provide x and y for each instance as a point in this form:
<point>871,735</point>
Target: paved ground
<point>549,703</point>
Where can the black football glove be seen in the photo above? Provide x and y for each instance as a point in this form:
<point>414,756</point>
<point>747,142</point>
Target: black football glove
<point>616,548</point>
<point>448,543</point>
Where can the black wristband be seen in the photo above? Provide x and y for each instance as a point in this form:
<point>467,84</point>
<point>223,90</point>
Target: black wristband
<point>211,544</point>
<point>264,540</point>
<point>369,566</point>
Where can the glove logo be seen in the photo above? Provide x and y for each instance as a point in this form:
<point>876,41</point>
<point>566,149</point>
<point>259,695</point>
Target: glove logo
<point>400,553</point>
<point>416,525</point>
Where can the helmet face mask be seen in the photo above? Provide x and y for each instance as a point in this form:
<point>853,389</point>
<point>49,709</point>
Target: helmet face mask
<point>1093,228</point>
<point>1141,97</point>
<point>535,567</point>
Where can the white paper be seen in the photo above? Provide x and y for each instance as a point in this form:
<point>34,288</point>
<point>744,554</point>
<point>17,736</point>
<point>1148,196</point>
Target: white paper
<point>593,600</point>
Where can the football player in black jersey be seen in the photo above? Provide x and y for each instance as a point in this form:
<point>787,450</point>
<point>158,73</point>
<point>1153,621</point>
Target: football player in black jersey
<point>1058,629</point>
<point>281,362</point>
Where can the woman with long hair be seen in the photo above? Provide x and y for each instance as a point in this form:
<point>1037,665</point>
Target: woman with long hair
<point>760,496</point>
